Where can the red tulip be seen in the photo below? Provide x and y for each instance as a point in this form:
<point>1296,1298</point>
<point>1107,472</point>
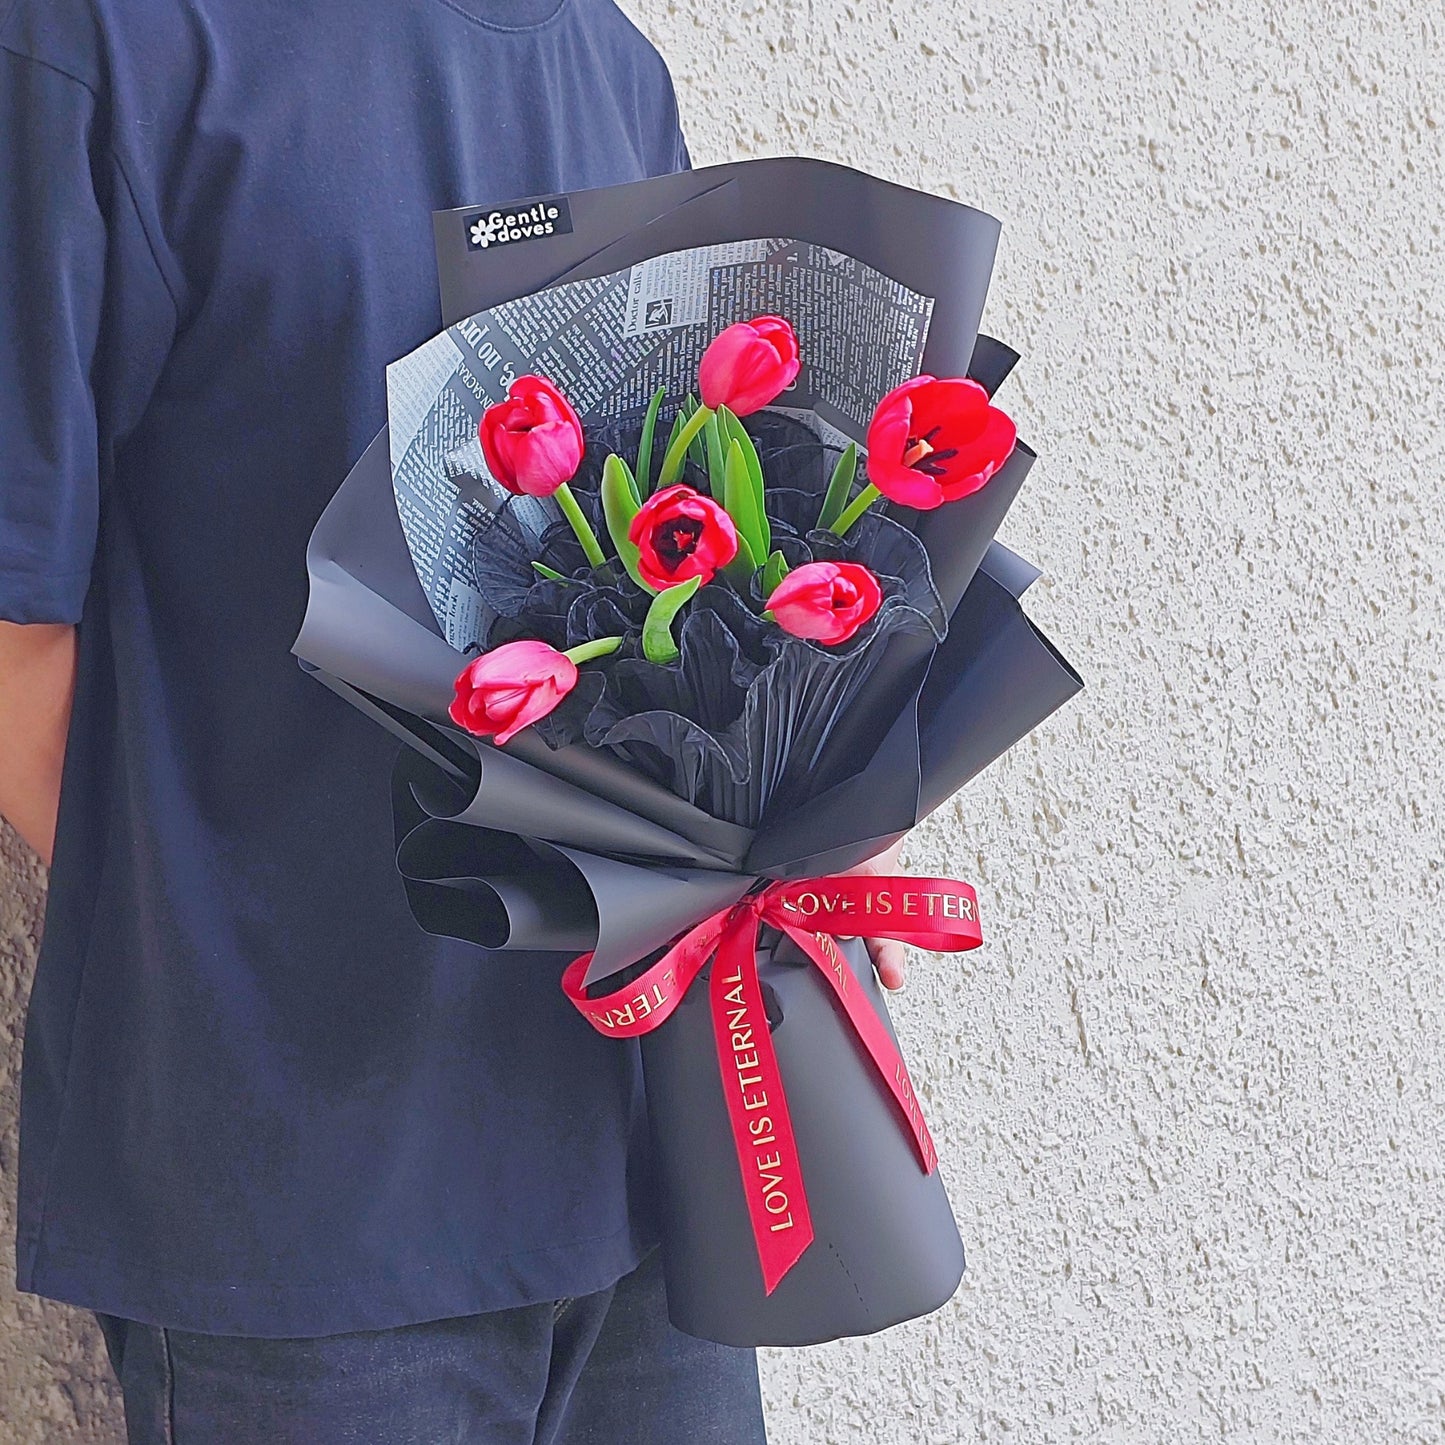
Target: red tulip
<point>748,365</point>
<point>827,601</point>
<point>933,441</point>
<point>533,440</point>
<point>511,687</point>
<point>680,534</point>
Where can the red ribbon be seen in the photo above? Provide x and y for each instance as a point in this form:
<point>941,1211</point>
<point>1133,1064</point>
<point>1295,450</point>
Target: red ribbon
<point>933,913</point>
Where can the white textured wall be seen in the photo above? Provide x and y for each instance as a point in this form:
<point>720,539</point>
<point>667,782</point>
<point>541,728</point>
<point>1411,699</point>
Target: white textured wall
<point>1189,1095</point>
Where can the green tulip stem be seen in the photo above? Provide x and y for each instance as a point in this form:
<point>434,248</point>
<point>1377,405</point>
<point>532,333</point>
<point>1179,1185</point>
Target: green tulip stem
<point>580,525</point>
<point>855,509</point>
<point>672,463</point>
<point>587,651</point>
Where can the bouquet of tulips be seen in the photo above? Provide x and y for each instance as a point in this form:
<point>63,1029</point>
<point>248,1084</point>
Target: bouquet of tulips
<point>727,615</point>
<point>672,661</point>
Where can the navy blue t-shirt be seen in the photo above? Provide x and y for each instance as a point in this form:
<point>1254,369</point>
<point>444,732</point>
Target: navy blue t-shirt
<point>257,1099</point>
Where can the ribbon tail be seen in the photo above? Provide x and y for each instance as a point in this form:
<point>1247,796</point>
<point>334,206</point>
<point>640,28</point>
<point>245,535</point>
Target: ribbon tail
<point>649,1000</point>
<point>762,1129</point>
<point>872,1033</point>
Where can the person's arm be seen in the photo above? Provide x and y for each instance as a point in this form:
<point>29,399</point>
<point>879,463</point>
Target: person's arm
<point>37,683</point>
<point>86,321</point>
<point>53,246</point>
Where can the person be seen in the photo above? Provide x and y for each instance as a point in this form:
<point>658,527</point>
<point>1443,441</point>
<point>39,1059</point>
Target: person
<point>322,1177</point>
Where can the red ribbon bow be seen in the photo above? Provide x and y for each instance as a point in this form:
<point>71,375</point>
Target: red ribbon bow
<point>934,913</point>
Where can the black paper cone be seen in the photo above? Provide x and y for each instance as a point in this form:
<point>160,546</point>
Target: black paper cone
<point>886,1248</point>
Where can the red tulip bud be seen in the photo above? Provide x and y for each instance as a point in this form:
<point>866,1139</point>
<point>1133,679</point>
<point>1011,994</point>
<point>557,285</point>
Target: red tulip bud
<point>511,687</point>
<point>748,365</point>
<point>533,440</point>
<point>826,601</point>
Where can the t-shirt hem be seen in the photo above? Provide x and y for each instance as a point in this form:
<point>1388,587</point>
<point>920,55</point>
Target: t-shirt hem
<point>263,1310</point>
<point>27,597</point>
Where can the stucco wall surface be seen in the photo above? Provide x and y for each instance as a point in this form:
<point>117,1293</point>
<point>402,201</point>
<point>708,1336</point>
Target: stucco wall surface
<point>1189,1094</point>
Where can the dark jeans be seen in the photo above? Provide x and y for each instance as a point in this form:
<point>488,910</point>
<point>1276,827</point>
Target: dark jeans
<point>603,1369</point>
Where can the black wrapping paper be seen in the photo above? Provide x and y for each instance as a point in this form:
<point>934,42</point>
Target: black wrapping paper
<point>935,246</point>
<point>565,843</point>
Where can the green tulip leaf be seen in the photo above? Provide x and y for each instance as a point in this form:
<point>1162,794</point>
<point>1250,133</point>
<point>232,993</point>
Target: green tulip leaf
<point>733,430</point>
<point>658,644</point>
<point>836,497</point>
<point>697,450</point>
<point>742,505</point>
<point>717,455</point>
<point>740,570</point>
<point>774,570</point>
<point>678,422</point>
<point>549,573</point>
<point>643,474</point>
<point>685,443</point>
<point>619,507</point>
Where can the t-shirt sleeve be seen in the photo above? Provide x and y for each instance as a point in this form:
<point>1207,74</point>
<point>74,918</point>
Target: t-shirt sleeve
<point>674,144</point>
<point>85,318</point>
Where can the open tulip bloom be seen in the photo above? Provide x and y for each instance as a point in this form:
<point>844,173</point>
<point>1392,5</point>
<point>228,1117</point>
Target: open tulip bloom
<point>657,647</point>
